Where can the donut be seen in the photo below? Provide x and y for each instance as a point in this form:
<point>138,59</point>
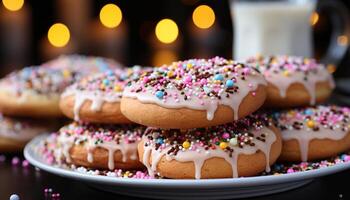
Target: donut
<point>33,91</point>
<point>82,65</point>
<point>293,81</point>
<point>194,93</point>
<point>99,146</point>
<point>96,98</point>
<point>312,133</point>
<point>16,132</point>
<point>242,148</point>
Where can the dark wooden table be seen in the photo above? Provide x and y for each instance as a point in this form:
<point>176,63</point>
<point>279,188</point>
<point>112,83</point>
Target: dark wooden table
<point>30,184</point>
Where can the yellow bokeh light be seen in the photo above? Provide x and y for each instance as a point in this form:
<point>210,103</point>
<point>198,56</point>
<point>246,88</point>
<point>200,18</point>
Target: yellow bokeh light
<point>111,15</point>
<point>342,40</point>
<point>13,5</point>
<point>58,35</point>
<point>167,31</point>
<point>203,17</point>
<point>314,18</point>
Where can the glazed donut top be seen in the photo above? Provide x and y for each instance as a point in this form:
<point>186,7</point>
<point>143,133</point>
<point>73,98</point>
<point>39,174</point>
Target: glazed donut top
<point>22,129</point>
<point>103,133</point>
<point>236,134</point>
<point>245,136</point>
<point>282,71</point>
<point>102,87</point>
<point>83,65</point>
<point>124,138</point>
<point>306,124</point>
<point>110,83</point>
<point>200,84</point>
<point>38,80</point>
<point>314,119</point>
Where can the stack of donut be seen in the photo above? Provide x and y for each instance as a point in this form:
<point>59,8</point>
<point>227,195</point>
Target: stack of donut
<point>100,136</point>
<point>29,97</point>
<point>201,118</point>
<point>296,87</point>
<point>201,114</point>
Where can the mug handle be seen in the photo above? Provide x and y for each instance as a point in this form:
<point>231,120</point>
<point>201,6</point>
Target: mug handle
<point>339,17</point>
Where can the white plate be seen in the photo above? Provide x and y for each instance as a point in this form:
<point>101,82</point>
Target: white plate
<point>186,189</point>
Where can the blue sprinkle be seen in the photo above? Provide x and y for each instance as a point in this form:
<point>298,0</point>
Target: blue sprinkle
<point>230,83</point>
<point>109,72</point>
<point>159,94</point>
<point>219,77</point>
<point>106,81</point>
<point>159,141</point>
<point>206,90</point>
<point>308,112</point>
<point>14,197</point>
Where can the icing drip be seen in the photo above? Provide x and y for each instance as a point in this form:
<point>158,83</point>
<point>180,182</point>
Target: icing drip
<point>307,124</point>
<point>197,84</point>
<point>243,137</point>
<point>200,155</point>
<point>304,138</point>
<point>124,140</point>
<point>97,98</point>
<point>283,71</point>
<point>100,88</point>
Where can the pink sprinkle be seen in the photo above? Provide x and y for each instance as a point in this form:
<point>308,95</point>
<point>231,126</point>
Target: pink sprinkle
<point>15,161</point>
<point>246,70</point>
<point>145,79</point>
<point>347,158</point>
<point>225,135</point>
<point>254,94</point>
<point>25,163</point>
<point>290,170</point>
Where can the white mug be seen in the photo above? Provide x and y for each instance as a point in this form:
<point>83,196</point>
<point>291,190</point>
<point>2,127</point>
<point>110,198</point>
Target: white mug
<point>275,27</point>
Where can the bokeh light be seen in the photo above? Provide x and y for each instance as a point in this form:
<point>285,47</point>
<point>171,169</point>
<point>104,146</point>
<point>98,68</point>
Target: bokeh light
<point>58,35</point>
<point>314,18</point>
<point>13,5</point>
<point>111,15</point>
<point>203,17</point>
<point>167,31</point>
<point>342,40</point>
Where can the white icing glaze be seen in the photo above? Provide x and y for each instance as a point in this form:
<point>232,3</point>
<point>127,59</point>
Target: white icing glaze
<point>66,142</point>
<point>305,137</point>
<point>208,104</point>
<point>284,82</point>
<point>199,156</point>
<point>96,97</point>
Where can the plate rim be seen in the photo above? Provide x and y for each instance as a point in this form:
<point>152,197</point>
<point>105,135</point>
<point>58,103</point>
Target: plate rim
<point>165,183</point>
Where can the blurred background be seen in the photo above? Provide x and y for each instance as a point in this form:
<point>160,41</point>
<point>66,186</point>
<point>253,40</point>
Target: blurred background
<point>133,32</point>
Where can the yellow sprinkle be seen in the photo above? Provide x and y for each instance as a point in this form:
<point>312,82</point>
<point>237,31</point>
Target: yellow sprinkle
<point>66,73</point>
<point>170,74</point>
<point>189,66</point>
<point>102,86</point>
<point>178,78</point>
<point>223,145</point>
<point>186,145</point>
<point>285,73</point>
<point>310,123</point>
<point>117,88</point>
